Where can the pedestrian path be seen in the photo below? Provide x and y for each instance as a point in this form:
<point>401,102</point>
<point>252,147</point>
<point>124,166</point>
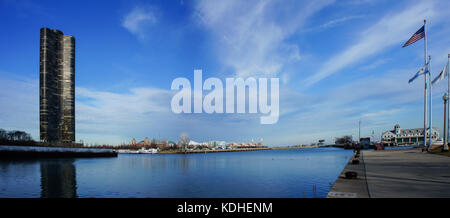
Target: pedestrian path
<point>405,173</point>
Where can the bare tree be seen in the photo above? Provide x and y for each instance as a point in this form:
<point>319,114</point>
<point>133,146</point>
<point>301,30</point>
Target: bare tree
<point>3,134</point>
<point>15,135</point>
<point>183,141</point>
<point>344,140</point>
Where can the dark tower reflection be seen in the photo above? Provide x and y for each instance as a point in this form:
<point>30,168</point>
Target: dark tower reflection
<point>58,179</point>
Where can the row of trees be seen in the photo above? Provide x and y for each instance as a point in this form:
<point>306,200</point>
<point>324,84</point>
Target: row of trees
<point>14,135</point>
<point>183,144</point>
<point>348,139</point>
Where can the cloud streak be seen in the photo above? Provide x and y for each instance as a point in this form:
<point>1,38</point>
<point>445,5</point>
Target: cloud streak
<point>250,37</point>
<point>336,22</point>
<point>388,31</point>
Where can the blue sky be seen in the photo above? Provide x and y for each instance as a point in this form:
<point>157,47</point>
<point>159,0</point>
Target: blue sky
<point>338,62</point>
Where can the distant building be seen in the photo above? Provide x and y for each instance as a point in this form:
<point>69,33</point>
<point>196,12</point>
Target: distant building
<point>321,142</point>
<point>195,144</point>
<point>133,141</point>
<point>217,143</point>
<point>57,86</point>
<point>407,136</point>
<point>364,142</point>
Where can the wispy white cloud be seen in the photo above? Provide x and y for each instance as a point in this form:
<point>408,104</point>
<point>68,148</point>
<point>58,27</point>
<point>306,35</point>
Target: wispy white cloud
<point>19,109</point>
<point>381,113</point>
<point>138,19</point>
<point>124,115</point>
<point>340,20</point>
<point>375,64</point>
<point>250,37</point>
<point>390,30</point>
<point>335,22</point>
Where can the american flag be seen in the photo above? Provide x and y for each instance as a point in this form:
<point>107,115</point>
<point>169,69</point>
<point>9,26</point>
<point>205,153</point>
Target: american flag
<point>416,37</point>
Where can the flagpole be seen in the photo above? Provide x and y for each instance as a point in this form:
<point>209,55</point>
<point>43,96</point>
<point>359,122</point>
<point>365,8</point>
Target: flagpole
<point>425,110</point>
<point>448,93</point>
<point>431,103</point>
<point>425,89</point>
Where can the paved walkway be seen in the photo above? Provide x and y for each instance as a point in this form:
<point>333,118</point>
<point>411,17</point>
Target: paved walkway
<point>407,173</point>
<point>396,174</point>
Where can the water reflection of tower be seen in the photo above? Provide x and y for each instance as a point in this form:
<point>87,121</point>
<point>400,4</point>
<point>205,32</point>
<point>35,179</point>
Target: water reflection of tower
<point>58,179</point>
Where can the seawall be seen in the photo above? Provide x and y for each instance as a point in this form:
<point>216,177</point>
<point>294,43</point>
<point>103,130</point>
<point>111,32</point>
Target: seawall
<point>12,151</point>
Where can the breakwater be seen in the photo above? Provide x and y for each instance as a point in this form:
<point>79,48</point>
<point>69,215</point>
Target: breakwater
<point>231,150</point>
<point>12,151</point>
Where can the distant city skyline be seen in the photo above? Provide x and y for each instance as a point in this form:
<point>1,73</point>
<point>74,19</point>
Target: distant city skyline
<point>338,62</point>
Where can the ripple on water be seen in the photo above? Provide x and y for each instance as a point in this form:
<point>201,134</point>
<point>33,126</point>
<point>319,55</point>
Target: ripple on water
<point>269,173</point>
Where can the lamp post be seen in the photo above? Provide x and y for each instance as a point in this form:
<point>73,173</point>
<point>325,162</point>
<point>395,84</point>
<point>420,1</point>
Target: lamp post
<point>359,131</point>
<point>445,147</point>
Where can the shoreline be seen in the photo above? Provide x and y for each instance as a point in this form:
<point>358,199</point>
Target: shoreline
<point>29,151</point>
<point>234,150</point>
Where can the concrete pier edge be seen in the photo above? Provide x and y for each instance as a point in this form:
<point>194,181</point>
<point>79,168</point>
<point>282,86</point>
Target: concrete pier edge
<point>396,173</point>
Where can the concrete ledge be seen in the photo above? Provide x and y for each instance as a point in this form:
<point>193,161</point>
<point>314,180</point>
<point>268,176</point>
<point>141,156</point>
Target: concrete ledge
<point>351,188</point>
<point>11,151</point>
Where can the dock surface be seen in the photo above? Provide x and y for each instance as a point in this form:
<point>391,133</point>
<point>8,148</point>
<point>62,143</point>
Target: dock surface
<point>351,188</point>
<point>405,173</point>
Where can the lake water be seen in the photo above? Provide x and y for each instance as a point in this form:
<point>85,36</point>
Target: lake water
<point>288,173</point>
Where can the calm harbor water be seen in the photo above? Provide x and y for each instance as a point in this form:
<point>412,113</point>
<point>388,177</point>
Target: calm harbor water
<point>271,173</point>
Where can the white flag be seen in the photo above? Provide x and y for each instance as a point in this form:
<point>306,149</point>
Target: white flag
<point>441,75</point>
<point>422,70</point>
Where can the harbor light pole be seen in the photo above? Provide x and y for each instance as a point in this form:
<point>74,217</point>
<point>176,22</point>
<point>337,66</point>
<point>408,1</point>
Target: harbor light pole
<point>445,146</point>
<point>359,131</point>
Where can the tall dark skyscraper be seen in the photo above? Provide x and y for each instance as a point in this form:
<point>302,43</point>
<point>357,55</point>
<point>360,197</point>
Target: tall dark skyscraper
<point>57,86</point>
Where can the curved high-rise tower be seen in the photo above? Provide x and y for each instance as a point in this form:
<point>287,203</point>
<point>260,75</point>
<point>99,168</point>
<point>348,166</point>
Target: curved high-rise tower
<point>57,86</point>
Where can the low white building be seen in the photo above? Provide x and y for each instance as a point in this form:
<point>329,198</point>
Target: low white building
<point>408,136</point>
<point>217,143</point>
